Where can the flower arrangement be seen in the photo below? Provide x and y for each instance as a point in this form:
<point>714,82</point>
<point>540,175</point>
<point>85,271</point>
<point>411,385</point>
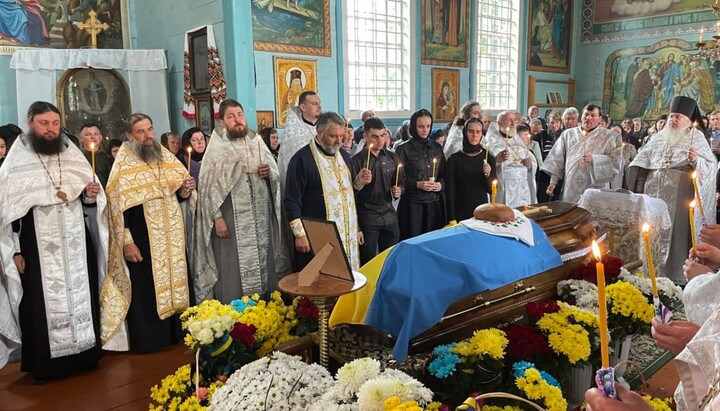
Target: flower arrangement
<point>394,404</point>
<point>571,332</point>
<point>670,294</point>
<point>278,382</point>
<point>361,385</point>
<point>628,310</point>
<point>308,316</point>
<point>580,293</point>
<point>460,368</point>
<point>658,404</point>
<point>225,337</point>
<point>176,391</point>
<point>525,342</point>
<point>538,385</point>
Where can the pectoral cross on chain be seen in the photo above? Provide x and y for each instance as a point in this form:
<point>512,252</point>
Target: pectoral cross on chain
<point>93,26</point>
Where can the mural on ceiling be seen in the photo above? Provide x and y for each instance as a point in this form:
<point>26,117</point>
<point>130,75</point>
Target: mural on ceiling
<point>621,20</point>
<point>292,26</point>
<point>54,24</point>
<point>642,81</point>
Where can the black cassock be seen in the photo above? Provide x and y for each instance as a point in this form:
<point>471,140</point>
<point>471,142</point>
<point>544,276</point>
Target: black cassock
<point>33,321</point>
<point>304,196</point>
<point>147,332</point>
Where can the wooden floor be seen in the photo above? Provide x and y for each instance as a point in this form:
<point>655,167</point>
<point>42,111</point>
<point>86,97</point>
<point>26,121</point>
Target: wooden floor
<point>121,382</point>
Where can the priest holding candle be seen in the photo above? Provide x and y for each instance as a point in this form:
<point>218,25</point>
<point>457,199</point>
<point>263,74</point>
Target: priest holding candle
<point>238,247</point>
<point>374,200</point>
<point>664,167</point>
<point>421,207</point>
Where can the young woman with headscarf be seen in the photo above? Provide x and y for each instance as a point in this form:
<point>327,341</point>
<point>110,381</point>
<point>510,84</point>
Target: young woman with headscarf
<point>468,177</point>
<point>421,208</point>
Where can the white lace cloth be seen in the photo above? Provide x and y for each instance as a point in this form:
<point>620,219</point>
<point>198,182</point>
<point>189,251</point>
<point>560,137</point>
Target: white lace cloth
<point>51,59</point>
<point>623,214</point>
<point>520,229</point>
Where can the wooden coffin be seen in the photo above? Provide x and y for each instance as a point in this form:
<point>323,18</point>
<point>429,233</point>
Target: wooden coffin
<point>571,230</point>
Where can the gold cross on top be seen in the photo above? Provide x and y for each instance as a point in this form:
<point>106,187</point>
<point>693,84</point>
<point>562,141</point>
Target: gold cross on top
<point>93,26</point>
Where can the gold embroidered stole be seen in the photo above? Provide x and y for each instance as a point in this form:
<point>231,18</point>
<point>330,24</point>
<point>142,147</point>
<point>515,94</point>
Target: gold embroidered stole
<point>133,182</point>
<point>339,199</point>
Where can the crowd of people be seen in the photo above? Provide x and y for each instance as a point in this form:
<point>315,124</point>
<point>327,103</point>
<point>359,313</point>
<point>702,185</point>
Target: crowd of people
<point>104,245</point>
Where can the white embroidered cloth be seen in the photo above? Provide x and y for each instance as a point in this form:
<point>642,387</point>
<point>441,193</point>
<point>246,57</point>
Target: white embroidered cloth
<point>520,229</point>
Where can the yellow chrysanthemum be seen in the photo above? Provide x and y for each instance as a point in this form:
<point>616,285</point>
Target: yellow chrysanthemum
<point>659,404</point>
<point>536,388</point>
<point>567,331</point>
<point>627,301</point>
<point>489,342</point>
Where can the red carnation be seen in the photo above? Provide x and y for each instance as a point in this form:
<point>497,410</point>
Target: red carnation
<point>537,309</point>
<point>306,308</point>
<point>244,333</point>
<point>525,342</point>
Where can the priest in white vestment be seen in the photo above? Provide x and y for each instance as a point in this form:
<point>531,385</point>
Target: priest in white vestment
<point>238,248</point>
<point>49,287</point>
<point>299,130</point>
<point>663,168</point>
<point>583,157</point>
<point>516,164</point>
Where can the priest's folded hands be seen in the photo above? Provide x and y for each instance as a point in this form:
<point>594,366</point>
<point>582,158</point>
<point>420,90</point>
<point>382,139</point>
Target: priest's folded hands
<point>92,190</point>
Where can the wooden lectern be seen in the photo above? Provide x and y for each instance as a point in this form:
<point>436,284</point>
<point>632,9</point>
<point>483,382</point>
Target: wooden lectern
<point>327,276</point>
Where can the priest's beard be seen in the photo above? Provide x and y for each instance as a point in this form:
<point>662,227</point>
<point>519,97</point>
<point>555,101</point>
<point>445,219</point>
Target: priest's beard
<point>675,134</point>
<point>237,133</point>
<point>149,153</point>
<point>47,146</point>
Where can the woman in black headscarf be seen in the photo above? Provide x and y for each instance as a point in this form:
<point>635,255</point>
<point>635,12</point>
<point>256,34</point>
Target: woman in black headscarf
<point>468,177</point>
<point>421,206</point>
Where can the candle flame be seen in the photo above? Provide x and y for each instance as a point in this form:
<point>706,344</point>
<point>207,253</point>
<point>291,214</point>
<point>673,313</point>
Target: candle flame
<point>371,146</point>
<point>494,183</point>
<point>434,160</point>
<point>189,149</point>
<point>646,228</point>
<point>692,204</point>
<point>92,146</point>
<point>596,250</point>
<point>399,165</point>
<point>694,175</point>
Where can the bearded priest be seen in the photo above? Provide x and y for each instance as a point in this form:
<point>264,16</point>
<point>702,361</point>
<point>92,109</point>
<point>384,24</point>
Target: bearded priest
<point>51,269</point>
<point>663,168</point>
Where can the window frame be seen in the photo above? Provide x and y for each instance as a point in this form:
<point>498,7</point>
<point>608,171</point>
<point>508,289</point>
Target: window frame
<point>412,69</point>
<point>514,98</point>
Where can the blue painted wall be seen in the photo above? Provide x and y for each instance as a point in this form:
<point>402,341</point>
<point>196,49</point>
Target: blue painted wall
<point>8,92</point>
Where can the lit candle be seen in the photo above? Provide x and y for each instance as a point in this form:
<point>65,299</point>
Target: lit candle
<point>494,192</point>
<point>507,132</point>
<point>189,150</point>
<point>702,31</point>
<point>434,164</point>
<point>717,25</point>
<point>602,306</point>
<point>397,174</point>
<point>92,155</point>
<point>367,165</point>
<point>698,195</point>
<point>648,253</point>
<point>487,152</point>
<point>691,211</point>
<point>692,135</point>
